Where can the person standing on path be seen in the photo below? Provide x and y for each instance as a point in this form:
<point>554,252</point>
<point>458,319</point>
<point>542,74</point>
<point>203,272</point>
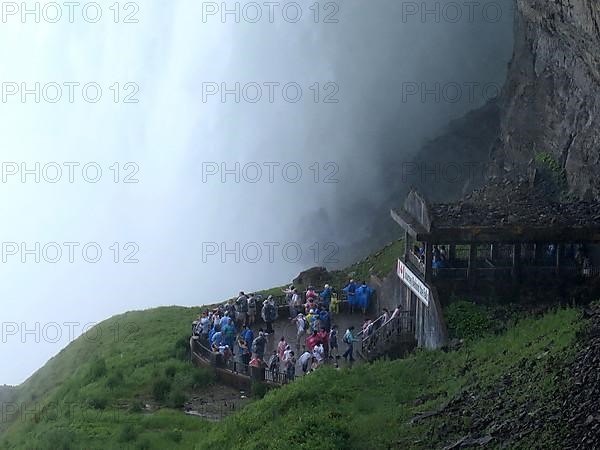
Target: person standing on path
<point>350,291</point>
<point>269,313</point>
<point>300,329</point>
<point>281,347</point>
<point>349,341</point>
<point>290,366</point>
<point>289,298</point>
<point>242,310</point>
<point>333,344</point>
<point>259,345</point>
<point>363,297</point>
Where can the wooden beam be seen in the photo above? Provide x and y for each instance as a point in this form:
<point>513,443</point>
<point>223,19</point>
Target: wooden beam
<point>428,260</point>
<point>408,223</point>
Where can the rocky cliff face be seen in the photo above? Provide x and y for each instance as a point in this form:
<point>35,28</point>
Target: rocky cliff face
<point>549,105</point>
<point>551,101</point>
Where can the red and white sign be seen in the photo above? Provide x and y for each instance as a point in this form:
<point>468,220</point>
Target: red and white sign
<point>413,282</point>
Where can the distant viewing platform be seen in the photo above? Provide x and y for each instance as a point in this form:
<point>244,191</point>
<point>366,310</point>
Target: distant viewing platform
<point>500,237</point>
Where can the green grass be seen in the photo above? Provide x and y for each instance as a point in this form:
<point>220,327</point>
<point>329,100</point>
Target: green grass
<point>371,406</point>
<point>91,395</point>
<point>379,264</point>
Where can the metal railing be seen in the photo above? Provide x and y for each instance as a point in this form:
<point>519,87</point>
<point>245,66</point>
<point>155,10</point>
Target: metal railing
<point>505,272</point>
<point>200,350</point>
<point>415,260</point>
<point>381,338</point>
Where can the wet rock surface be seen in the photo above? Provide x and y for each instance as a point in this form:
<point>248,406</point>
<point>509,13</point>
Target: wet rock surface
<point>550,101</point>
<point>216,403</point>
<point>581,402</point>
<point>315,276</point>
<point>515,200</point>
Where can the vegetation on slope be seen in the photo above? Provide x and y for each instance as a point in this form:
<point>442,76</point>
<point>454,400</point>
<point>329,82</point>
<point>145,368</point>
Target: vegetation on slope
<point>99,391</point>
<point>372,406</point>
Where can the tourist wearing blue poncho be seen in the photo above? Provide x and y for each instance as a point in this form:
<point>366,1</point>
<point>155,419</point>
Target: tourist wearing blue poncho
<point>350,290</point>
<point>217,339</point>
<point>363,296</point>
<point>248,335</point>
<point>325,320</point>
<point>211,334</point>
<point>326,296</point>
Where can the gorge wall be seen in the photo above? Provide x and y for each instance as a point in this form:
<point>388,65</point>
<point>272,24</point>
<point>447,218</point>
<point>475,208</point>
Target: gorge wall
<point>551,101</point>
<point>549,104</point>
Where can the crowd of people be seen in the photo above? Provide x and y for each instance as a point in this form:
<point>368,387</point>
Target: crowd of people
<point>228,329</point>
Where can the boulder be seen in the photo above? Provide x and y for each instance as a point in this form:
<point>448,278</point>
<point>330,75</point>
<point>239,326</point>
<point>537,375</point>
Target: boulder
<point>315,276</point>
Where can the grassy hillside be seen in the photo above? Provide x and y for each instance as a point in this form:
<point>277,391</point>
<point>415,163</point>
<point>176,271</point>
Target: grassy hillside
<point>94,393</point>
<point>122,386</point>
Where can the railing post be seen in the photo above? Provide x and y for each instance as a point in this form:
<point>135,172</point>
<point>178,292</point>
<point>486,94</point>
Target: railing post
<point>493,252</point>
<point>516,262</point>
<point>471,263</point>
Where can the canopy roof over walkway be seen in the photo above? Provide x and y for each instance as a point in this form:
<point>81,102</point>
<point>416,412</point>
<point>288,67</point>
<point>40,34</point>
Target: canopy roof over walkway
<point>505,230</point>
<point>501,220</point>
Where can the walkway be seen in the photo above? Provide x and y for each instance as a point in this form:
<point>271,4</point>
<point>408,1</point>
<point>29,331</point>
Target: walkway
<point>286,328</point>
<point>393,338</point>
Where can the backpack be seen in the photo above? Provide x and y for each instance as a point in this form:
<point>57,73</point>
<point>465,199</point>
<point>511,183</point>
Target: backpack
<point>346,338</point>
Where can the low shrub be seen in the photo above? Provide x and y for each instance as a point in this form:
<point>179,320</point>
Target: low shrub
<point>161,389</point>
<point>467,320</point>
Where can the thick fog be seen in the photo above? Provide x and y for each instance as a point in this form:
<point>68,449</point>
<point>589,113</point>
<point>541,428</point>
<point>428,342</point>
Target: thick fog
<point>357,64</point>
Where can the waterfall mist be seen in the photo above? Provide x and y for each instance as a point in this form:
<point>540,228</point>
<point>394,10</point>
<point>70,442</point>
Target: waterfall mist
<point>182,134</point>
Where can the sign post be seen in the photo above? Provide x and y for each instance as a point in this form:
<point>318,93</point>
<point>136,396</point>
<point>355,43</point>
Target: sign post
<point>413,282</point>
